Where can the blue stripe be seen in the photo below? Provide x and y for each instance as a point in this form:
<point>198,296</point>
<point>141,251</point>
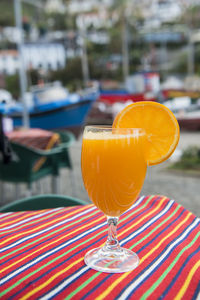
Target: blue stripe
<point>83,249</point>
<point>26,251</point>
<point>105,237</point>
<point>157,236</point>
<point>38,223</point>
<point>108,276</point>
<point>58,265</point>
<point>45,241</point>
<point>23,222</point>
<point>149,265</point>
<point>197,292</point>
<point>34,235</point>
<point>179,271</point>
<point>154,220</point>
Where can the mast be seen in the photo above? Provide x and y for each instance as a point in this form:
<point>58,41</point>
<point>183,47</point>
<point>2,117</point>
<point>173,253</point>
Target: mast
<point>84,57</point>
<point>22,72</point>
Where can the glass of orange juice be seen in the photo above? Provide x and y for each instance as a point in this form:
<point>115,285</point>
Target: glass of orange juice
<point>113,170</point>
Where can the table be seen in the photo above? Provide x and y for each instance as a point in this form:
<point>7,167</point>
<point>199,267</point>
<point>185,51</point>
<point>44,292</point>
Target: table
<point>41,253</point>
<point>35,138</point>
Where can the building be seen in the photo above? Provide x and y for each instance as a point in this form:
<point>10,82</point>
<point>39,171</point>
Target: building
<point>157,12</point>
<point>55,6</point>
<point>46,56</point>
<point>9,62</point>
<point>80,6</point>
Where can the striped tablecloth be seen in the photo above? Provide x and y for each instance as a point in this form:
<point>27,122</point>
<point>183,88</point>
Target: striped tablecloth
<point>41,253</point>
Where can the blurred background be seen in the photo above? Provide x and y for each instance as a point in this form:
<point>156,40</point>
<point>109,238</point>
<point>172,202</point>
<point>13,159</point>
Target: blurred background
<point>120,51</point>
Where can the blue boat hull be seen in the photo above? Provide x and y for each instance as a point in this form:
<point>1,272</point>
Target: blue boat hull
<point>71,116</point>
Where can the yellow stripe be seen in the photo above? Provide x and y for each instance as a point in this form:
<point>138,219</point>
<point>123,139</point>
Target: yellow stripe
<point>116,282</point>
<point>24,216</point>
<point>50,279</point>
<point>166,237</point>
<point>10,214</point>
<point>42,226</point>
<point>64,270</point>
<point>147,215</point>
<point>187,282</point>
<point>49,244</point>
<point>46,216</point>
<point>19,219</point>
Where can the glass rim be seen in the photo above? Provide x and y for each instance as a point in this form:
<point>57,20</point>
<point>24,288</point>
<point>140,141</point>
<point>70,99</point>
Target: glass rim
<point>109,127</point>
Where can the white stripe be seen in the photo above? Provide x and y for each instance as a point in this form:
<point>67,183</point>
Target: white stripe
<point>27,220</point>
<point>58,248</point>
<point>74,276</point>
<point>65,283</point>
<point>136,203</point>
<point>2,215</point>
<point>45,230</point>
<point>130,289</point>
<point>198,296</point>
<point>149,223</point>
<point>49,253</point>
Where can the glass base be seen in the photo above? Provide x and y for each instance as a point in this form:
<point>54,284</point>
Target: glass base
<point>112,261</point>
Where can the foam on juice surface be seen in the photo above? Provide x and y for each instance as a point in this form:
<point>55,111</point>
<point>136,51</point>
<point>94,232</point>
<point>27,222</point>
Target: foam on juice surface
<point>112,135</point>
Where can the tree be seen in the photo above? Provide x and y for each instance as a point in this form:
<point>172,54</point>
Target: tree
<point>12,85</point>
<point>127,12</point>
<point>70,76</point>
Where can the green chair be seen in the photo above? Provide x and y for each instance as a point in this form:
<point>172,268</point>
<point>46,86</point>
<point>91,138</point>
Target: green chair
<point>41,202</point>
<point>66,140</point>
<point>64,159</point>
<point>20,169</point>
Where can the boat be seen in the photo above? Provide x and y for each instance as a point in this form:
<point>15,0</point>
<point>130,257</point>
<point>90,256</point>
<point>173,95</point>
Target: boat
<point>189,120</point>
<point>52,107</point>
<point>186,111</point>
<point>122,95</point>
<point>111,101</point>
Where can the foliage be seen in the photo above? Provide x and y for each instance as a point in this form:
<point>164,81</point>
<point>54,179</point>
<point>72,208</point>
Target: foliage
<point>190,159</point>
<point>70,76</point>
<point>12,85</point>
<point>33,76</point>
<point>59,21</point>
<point>181,65</point>
<point>7,17</point>
<point>115,45</point>
<point>197,59</point>
<point>192,16</point>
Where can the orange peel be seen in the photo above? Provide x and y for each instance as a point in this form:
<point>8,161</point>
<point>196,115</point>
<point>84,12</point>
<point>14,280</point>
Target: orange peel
<point>160,124</point>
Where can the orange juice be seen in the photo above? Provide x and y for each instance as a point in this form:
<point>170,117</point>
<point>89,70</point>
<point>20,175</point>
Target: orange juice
<point>113,169</point>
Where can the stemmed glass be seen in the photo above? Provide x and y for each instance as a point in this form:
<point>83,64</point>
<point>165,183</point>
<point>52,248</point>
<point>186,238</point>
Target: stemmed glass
<point>113,170</point>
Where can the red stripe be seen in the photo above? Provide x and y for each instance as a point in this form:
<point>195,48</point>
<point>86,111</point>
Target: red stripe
<point>136,220</point>
<point>159,272</point>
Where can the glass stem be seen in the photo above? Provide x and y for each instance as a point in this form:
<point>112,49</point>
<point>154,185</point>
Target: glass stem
<point>112,241</point>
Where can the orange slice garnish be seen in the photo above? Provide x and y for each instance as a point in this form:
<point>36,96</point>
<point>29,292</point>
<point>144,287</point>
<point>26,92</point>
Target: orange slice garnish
<point>160,124</point>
